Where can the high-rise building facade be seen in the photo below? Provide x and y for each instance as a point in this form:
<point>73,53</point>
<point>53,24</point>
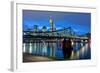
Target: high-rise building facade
<point>51,24</point>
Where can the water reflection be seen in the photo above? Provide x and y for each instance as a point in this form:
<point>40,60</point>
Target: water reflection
<point>81,49</point>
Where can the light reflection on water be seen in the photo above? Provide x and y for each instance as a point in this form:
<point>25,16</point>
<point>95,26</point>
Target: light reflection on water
<point>80,50</point>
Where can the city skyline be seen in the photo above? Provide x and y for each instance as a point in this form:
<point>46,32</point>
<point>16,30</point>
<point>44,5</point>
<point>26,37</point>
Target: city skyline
<point>79,22</point>
<point>56,36</point>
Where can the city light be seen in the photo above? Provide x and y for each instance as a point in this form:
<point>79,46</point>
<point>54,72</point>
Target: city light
<point>47,33</point>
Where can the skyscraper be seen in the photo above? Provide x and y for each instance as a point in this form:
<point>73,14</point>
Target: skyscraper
<point>35,28</point>
<point>51,24</point>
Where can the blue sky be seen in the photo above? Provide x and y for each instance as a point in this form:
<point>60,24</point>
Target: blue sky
<point>79,22</point>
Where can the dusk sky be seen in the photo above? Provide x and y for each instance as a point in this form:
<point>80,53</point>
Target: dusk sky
<point>79,22</point>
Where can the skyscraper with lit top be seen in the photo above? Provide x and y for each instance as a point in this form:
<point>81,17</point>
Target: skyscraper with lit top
<point>51,24</point>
